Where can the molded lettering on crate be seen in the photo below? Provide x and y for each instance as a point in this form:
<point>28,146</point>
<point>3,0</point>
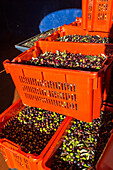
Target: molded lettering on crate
<point>23,162</point>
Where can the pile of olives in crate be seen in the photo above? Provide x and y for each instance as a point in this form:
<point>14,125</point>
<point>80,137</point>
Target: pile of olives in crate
<point>32,129</point>
<point>83,144</point>
<point>68,60</point>
<point>80,148</point>
<point>43,35</point>
<point>84,39</point>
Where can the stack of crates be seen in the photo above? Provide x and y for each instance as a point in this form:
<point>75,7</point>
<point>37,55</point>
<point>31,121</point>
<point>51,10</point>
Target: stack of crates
<point>74,93</point>
<point>97,15</point>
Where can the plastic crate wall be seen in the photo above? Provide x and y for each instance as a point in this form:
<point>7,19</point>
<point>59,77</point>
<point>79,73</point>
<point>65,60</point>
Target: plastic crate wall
<point>97,15</point>
<point>70,92</point>
<point>13,155</point>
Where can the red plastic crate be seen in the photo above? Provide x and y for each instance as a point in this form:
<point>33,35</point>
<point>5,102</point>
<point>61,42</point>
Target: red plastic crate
<point>70,92</point>
<point>105,48</point>
<point>105,161</point>
<point>13,155</point>
<point>97,15</point>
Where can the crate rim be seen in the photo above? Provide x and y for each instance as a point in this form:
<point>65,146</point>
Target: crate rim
<point>19,151</point>
<point>67,71</point>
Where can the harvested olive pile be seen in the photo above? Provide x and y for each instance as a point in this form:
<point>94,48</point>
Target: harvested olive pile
<point>83,144</point>
<point>32,129</point>
<point>30,42</point>
<point>69,60</point>
<point>85,39</point>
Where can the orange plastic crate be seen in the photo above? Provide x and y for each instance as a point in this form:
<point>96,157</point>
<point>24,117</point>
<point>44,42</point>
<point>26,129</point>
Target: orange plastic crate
<point>105,48</point>
<point>70,92</point>
<point>105,161</point>
<point>97,15</point>
<point>13,155</point>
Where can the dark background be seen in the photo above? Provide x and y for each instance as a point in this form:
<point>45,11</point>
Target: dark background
<point>20,20</point>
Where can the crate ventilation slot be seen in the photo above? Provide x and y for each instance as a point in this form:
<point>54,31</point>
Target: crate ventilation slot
<point>55,93</point>
<point>90,9</point>
<point>102,10</point>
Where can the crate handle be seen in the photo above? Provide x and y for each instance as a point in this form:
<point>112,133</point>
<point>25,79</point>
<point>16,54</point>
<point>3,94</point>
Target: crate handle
<point>6,61</point>
<point>6,142</point>
<point>9,149</point>
<point>5,65</point>
<point>14,151</point>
